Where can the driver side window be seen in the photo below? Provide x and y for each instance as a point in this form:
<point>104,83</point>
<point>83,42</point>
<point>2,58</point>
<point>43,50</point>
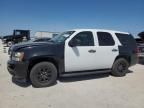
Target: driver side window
<point>84,39</point>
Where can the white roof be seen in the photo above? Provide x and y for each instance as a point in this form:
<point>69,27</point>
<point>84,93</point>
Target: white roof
<point>102,30</point>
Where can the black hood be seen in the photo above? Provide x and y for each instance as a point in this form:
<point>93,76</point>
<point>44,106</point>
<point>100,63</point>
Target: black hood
<point>30,44</point>
<point>8,36</point>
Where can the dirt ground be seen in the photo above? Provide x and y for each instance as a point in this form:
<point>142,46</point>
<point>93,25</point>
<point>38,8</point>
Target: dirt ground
<point>93,91</point>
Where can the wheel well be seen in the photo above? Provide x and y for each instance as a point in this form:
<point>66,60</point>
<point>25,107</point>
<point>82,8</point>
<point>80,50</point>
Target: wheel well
<point>125,57</point>
<point>38,60</point>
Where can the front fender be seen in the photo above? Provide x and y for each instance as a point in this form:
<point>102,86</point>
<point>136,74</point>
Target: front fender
<point>58,62</point>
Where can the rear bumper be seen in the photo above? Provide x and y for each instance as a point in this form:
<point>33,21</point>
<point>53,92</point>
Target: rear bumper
<point>141,55</point>
<point>18,70</point>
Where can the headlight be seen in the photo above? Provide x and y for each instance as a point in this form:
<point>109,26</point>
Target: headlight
<point>18,56</point>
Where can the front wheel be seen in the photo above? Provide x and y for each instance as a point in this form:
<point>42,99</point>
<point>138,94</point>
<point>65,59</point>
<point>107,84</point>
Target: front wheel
<point>43,74</point>
<point>120,67</point>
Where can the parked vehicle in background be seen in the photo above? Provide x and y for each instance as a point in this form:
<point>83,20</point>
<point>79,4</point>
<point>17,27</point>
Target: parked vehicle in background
<point>17,37</point>
<point>140,45</point>
<point>74,52</point>
<point>141,35</point>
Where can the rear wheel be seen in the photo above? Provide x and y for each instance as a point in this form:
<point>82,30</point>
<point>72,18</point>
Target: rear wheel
<point>9,43</point>
<point>43,74</point>
<point>120,67</point>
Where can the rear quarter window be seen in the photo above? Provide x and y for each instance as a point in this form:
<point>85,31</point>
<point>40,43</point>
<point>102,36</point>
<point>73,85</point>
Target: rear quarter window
<point>126,39</point>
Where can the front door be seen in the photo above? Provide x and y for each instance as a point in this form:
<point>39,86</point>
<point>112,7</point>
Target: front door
<point>82,56</point>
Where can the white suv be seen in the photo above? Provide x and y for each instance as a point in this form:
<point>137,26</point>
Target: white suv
<point>74,52</point>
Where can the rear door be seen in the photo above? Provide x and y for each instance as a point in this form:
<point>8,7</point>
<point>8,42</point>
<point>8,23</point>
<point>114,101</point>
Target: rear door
<point>106,51</point>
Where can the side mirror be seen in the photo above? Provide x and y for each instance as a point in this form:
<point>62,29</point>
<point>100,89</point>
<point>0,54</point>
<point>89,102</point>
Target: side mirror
<point>73,43</point>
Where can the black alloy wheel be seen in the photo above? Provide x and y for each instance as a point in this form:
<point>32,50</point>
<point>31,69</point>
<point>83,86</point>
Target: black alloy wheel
<point>43,74</point>
<point>120,67</point>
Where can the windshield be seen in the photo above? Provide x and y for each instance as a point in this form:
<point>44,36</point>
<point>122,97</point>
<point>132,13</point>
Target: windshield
<point>62,37</point>
<point>17,33</point>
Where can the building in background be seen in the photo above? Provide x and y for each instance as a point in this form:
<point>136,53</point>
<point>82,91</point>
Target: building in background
<point>45,34</point>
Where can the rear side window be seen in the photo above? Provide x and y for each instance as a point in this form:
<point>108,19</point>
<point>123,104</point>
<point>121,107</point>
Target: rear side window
<point>126,39</point>
<point>105,39</point>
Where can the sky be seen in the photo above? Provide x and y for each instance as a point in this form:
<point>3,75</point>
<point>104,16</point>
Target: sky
<point>61,15</point>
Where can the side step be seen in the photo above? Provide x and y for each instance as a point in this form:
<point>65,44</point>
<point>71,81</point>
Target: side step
<point>69,74</point>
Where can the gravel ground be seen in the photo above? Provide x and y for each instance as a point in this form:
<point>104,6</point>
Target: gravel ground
<point>101,91</point>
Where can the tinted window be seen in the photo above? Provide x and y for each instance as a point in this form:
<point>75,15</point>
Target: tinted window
<point>84,39</point>
<point>126,39</point>
<point>17,33</point>
<point>105,39</point>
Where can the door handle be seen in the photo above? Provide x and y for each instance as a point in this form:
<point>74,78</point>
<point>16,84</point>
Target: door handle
<point>92,51</point>
<point>114,50</point>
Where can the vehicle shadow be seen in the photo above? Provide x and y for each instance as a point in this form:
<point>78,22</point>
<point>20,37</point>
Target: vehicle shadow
<point>83,77</point>
<point>21,84</point>
<point>141,61</point>
<point>129,71</point>
<point>26,84</point>
<point>68,79</point>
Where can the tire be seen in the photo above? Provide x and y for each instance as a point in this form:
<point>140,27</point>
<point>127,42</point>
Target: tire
<point>43,74</point>
<point>120,67</point>
<point>9,43</point>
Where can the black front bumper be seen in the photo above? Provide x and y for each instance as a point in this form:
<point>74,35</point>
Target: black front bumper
<point>19,70</point>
